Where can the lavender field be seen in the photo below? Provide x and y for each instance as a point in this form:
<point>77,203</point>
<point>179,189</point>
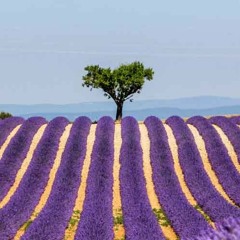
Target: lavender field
<point>172,179</point>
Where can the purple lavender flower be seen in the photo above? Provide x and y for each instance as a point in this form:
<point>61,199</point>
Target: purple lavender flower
<point>53,219</point>
<point>219,158</point>
<point>186,221</point>
<point>235,119</point>
<point>196,177</point>
<point>7,125</point>
<point>230,129</point>
<point>228,229</point>
<point>139,220</point>
<point>21,205</point>
<point>16,152</point>
<point>96,221</point>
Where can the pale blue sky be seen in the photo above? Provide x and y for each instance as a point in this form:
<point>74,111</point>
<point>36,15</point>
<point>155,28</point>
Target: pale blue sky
<point>193,47</point>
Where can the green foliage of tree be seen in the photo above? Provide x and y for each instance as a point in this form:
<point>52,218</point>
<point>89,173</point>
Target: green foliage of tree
<point>4,115</point>
<point>119,84</point>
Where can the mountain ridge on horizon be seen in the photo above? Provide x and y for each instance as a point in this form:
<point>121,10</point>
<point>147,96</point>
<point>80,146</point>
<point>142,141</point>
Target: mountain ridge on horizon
<point>140,115</point>
<point>162,108</point>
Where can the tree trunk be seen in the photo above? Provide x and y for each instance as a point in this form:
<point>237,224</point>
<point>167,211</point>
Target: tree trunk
<point>119,111</point>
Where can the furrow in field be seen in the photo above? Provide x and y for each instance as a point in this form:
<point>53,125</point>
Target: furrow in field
<point>47,190</point>
<point>232,133</point>
<point>96,220</point>
<point>139,219</point>
<point>170,195</point>
<point>179,172</point>
<point>207,166</point>
<point>119,231</point>
<point>9,138</point>
<point>16,152</point>
<point>26,198</point>
<point>231,152</point>
<point>78,206</point>
<point>219,159</point>
<point>196,177</point>
<point>54,169</point>
<point>24,166</point>
<point>235,120</point>
<point>53,219</point>
<point>6,127</point>
<point>145,143</point>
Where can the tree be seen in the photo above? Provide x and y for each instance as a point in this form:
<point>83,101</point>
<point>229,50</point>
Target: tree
<point>119,84</point>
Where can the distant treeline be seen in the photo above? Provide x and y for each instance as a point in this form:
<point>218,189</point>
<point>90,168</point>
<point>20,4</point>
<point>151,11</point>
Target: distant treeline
<point>4,115</point>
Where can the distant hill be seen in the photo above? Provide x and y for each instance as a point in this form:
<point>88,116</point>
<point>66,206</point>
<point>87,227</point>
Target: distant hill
<point>162,113</point>
<point>184,107</point>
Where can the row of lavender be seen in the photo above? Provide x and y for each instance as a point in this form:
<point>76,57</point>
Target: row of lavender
<point>23,202</point>
<point>96,218</point>
<point>167,187</point>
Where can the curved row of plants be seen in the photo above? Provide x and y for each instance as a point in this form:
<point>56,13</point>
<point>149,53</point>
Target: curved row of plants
<point>139,220</point>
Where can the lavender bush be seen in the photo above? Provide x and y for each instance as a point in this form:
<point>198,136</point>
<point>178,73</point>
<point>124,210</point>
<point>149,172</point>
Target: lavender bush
<point>139,220</point>
<point>53,219</point>
<point>21,205</point>
<point>186,221</point>
<point>96,221</point>
<point>16,152</point>
<point>196,177</point>
<point>231,130</point>
<point>218,156</point>
<point>7,125</point>
<point>228,229</point>
<point>235,119</point>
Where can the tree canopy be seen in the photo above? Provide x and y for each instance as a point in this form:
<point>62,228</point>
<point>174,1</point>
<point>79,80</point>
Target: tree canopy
<point>119,84</point>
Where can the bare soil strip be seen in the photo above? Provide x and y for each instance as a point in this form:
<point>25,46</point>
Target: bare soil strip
<point>119,231</point>
<point>145,143</point>
<point>207,166</point>
<point>24,165</point>
<point>231,152</point>
<point>117,207</point>
<point>71,229</point>
<point>9,138</point>
<point>178,170</point>
<point>48,188</point>
<point>174,150</point>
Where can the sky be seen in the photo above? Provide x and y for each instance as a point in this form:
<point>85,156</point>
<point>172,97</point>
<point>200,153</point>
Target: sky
<point>192,46</point>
